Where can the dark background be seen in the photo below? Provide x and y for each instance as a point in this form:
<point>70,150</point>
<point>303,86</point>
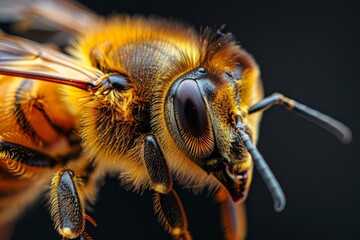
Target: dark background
<point>309,52</point>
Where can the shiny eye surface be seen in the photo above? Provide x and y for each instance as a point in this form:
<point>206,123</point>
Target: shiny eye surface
<point>190,108</point>
<point>192,118</point>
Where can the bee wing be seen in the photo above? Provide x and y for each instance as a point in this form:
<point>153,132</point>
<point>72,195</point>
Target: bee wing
<point>23,58</point>
<point>58,15</point>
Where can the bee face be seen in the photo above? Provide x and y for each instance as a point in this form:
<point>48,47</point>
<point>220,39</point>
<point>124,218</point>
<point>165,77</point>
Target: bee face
<point>192,115</point>
<point>198,114</point>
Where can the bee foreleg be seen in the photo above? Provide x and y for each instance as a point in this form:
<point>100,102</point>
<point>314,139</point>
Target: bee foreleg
<point>166,202</point>
<point>172,214</point>
<point>233,217</point>
<point>331,125</point>
<point>67,205</point>
<point>156,166</point>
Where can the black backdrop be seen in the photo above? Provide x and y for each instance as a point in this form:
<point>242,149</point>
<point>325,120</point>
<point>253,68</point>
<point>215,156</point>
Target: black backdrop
<point>309,52</point>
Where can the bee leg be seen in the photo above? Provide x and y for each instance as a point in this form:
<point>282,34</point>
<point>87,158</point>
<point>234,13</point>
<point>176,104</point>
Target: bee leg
<point>333,126</point>
<point>83,236</point>
<point>21,181</point>
<point>67,205</point>
<point>166,202</point>
<point>233,217</point>
<point>172,214</point>
<point>156,166</point>
<point>16,154</point>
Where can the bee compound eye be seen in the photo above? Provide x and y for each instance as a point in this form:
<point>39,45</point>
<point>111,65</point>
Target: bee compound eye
<point>190,109</point>
<point>192,119</point>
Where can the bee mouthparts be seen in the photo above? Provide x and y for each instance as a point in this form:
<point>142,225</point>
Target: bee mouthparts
<point>236,176</point>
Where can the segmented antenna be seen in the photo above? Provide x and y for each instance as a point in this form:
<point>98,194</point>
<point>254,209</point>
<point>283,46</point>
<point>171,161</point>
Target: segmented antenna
<point>262,167</point>
<point>342,132</point>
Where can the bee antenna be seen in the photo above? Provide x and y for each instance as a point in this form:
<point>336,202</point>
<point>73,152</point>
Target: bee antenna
<point>342,132</point>
<point>262,167</point>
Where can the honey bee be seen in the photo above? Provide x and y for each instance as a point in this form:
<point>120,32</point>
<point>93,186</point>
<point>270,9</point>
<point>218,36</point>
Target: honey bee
<point>146,99</point>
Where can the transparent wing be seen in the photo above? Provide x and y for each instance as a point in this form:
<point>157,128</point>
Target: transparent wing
<point>55,15</point>
<point>23,58</point>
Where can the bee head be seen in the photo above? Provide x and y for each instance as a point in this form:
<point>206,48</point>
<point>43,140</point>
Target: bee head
<point>194,116</point>
<point>199,114</point>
